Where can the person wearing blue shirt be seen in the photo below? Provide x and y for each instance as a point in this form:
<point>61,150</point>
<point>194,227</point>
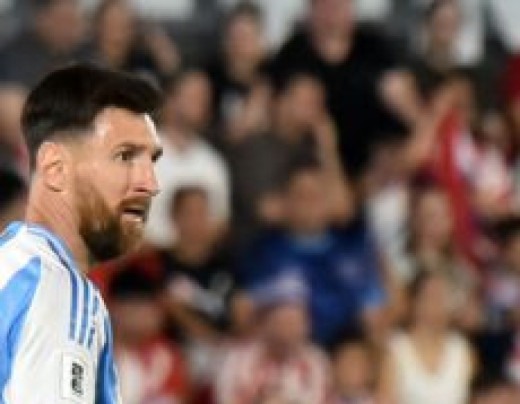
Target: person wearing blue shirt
<point>340,267</point>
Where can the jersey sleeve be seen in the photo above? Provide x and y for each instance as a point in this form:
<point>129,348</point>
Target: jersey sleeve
<point>45,363</point>
<point>16,295</point>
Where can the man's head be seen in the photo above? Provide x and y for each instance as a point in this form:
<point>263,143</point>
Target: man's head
<point>135,303</point>
<point>12,98</point>
<point>443,21</point>
<point>300,102</point>
<point>243,36</point>
<point>353,367</point>
<point>305,201</point>
<point>190,214</point>
<point>188,102</point>
<point>92,145</point>
<point>59,23</point>
<point>115,25</point>
<point>333,16</point>
<point>282,313</point>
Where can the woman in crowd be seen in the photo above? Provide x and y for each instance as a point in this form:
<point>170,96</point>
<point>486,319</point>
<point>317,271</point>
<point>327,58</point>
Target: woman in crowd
<point>428,362</point>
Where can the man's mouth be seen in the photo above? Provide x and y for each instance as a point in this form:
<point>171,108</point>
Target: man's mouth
<point>136,213</point>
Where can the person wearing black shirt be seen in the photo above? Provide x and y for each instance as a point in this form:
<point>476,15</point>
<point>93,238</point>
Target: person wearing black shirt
<point>351,62</point>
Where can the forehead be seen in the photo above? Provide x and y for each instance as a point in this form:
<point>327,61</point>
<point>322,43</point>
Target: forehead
<point>114,126</point>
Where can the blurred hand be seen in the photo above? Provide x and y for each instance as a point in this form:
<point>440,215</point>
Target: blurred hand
<point>325,133</point>
<point>163,49</point>
<point>398,91</point>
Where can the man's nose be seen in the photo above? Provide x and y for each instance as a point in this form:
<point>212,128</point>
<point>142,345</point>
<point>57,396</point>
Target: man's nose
<point>148,181</point>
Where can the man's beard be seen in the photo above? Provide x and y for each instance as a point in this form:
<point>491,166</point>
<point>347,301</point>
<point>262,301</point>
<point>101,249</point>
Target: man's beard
<point>102,230</point>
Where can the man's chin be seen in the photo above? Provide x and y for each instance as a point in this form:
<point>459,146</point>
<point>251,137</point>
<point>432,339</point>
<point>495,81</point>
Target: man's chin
<point>132,238</point>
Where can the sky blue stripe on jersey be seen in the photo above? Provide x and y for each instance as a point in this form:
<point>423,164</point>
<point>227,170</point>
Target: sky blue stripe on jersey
<point>93,327</point>
<point>86,304</point>
<point>106,381</point>
<point>63,253</point>
<point>10,232</point>
<point>15,299</point>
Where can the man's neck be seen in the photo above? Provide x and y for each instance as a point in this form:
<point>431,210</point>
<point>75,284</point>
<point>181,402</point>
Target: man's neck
<point>58,218</point>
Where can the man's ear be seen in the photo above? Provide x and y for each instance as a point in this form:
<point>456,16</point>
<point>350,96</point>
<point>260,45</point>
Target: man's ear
<point>51,165</point>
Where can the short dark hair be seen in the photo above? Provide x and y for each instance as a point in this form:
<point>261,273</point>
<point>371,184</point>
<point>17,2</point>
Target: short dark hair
<point>507,229</point>
<point>66,101</point>
<point>245,9</point>
<point>38,6</point>
<point>435,6</point>
<point>133,281</point>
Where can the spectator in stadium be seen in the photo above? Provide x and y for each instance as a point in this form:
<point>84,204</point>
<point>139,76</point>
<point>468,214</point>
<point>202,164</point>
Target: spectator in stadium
<point>188,159</point>
<point>301,131</point>
<point>493,389</point>
<point>121,44</point>
<point>199,283</point>
<point>427,362</point>
<point>13,188</point>
<point>12,98</point>
<point>340,267</point>
<point>503,286</point>
<point>200,279</point>
<point>436,56</point>
<point>351,62</point>
<point>52,38</point>
<point>151,368</point>
<point>239,97</point>
<point>280,365</point>
<point>354,371</point>
<point>499,343</point>
<point>430,245</point>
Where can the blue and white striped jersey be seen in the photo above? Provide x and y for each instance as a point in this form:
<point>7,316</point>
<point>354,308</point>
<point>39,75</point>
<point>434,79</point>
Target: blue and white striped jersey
<point>55,333</point>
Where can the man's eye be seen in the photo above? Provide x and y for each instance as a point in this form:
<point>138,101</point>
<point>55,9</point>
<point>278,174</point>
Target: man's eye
<point>125,155</point>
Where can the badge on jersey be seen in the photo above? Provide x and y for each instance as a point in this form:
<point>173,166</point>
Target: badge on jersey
<point>75,377</point>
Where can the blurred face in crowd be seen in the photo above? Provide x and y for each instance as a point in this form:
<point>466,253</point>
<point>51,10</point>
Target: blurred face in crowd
<point>432,305</point>
<point>61,25</point>
<point>244,42</point>
<point>433,220</point>
<point>189,103</point>
<point>332,16</point>
<point>303,103</point>
<point>444,24</point>
<point>136,318</point>
<point>512,252</point>
<point>305,203</point>
<point>286,326</point>
<point>498,395</point>
<point>111,179</point>
<point>115,27</point>
<point>353,369</point>
<point>12,99</point>
<point>192,218</point>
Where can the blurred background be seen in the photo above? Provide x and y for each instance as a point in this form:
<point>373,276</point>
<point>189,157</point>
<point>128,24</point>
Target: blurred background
<point>339,216</point>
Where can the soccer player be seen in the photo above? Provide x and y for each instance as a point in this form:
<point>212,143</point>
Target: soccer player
<point>92,145</point>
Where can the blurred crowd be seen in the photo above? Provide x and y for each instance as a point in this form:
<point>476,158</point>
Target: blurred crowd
<point>339,215</point>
